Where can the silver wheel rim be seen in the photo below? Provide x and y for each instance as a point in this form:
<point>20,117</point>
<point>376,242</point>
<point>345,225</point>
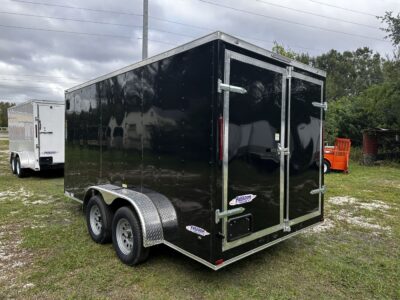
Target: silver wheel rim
<point>325,167</point>
<point>13,165</point>
<point>18,167</point>
<point>124,236</point>
<point>95,220</point>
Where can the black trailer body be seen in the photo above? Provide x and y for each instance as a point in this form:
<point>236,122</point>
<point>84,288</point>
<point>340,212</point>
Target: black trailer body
<point>215,145</point>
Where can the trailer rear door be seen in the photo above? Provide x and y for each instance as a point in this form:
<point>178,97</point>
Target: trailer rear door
<point>51,132</point>
<point>253,133</point>
<point>303,167</point>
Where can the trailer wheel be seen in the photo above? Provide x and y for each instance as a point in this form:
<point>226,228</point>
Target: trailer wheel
<point>128,237</point>
<point>327,167</point>
<point>12,165</point>
<point>98,220</point>
<point>18,170</point>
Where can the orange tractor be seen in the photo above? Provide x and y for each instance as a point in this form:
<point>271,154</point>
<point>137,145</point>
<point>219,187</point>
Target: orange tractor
<point>337,157</point>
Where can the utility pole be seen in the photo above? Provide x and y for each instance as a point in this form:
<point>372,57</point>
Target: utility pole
<point>145,28</point>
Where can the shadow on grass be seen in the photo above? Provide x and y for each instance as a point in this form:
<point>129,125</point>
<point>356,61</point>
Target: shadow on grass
<point>45,174</point>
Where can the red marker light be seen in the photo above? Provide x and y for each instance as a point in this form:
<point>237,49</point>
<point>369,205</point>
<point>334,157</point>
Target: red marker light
<point>219,261</point>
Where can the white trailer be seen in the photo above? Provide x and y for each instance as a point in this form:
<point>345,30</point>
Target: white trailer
<point>36,134</point>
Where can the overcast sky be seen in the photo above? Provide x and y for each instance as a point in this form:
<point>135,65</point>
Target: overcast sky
<point>60,60</point>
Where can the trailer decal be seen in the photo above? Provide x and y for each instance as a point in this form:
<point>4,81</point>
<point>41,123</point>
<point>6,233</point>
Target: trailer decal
<point>197,230</point>
<point>242,199</point>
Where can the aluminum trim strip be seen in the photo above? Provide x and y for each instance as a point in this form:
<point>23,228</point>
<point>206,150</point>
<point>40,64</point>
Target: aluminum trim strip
<point>275,56</point>
<point>241,256</point>
<point>197,42</point>
<point>305,217</point>
<point>192,256</point>
<point>253,236</point>
<point>282,156</point>
<point>307,78</point>
<point>255,250</point>
<point>227,71</point>
<point>255,62</point>
<point>289,98</point>
<point>67,194</point>
<point>321,149</point>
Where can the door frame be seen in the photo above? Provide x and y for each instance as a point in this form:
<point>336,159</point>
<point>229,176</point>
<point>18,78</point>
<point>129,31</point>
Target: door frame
<point>318,212</point>
<point>231,55</point>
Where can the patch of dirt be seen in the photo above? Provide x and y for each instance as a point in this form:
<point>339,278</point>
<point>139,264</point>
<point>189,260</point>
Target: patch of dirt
<point>13,258</point>
<point>347,215</point>
<point>20,194</point>
<point>325,226</point>
<point>360,221</point>
<point>372,205</point>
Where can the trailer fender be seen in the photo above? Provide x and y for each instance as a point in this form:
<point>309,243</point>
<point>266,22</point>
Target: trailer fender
<point>156,213</point>
<point>26,158</point>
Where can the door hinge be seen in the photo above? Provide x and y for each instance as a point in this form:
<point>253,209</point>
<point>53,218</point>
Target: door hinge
<point>227,213</point>
<point>289,72</point>
<point>321,190</point>
<point>286,226</point>
<point>283,150</point>
<point>323,105</point>
<point>230,88</point>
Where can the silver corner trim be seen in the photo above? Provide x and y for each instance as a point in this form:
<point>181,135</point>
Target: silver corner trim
<point>321,190</point>
<point>230,88</point>
<point>187,253</point>
<point>71,196</point>
<point>255,250</point>
<point>289,71</point>
<point>323,105</point>
<point>239,257</point>
<point>227,213</point>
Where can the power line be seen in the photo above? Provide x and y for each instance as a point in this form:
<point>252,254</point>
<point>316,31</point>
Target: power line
<point>22,80</point>
<point>24,86</point>
<point>49,76</point>
<point>82,8</point>
<point>292,22</point>
<point>317,15</point>
<point>159,19</point>
<point>66,31</point>
<point>344,8</point>
<point>82,33</point>
<point>95,22</point>
<point>68,19</point>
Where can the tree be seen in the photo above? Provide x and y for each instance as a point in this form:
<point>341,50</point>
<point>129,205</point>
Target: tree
<point>3,113</point>
<point>393,27</point>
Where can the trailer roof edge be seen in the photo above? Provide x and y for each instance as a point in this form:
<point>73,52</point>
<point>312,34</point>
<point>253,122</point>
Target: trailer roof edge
<point>38,101</point>
<point>218,35</point>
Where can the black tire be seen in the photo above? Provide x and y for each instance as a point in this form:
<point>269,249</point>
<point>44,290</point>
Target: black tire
<point>100,226</point>
<point>12,165</point>
<point>327,167</point>
<point>136,253</point>
<point>18,170</point>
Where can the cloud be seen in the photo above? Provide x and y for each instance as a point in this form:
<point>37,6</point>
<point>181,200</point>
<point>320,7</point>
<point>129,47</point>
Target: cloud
<point>62,59</point>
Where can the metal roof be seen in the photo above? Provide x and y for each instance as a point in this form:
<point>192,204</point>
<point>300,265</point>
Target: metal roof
<point>218,35</point>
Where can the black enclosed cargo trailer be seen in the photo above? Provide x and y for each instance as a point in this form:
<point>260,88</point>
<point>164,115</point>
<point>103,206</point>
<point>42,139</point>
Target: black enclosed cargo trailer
<point>213,148</point>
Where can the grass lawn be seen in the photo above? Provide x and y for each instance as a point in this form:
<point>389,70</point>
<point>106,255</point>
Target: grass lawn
<point>46,252</point>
